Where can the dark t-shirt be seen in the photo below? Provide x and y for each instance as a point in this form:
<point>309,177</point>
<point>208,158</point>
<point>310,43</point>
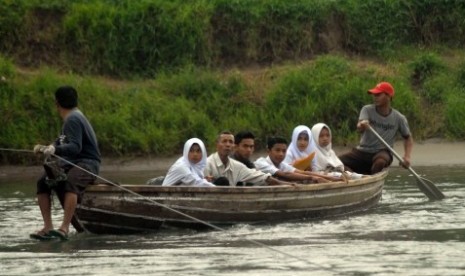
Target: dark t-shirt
<point>78,142</point>
<point>244,161</point>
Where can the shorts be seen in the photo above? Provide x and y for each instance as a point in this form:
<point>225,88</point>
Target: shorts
<point>361,162</point>
<point>76,183</point>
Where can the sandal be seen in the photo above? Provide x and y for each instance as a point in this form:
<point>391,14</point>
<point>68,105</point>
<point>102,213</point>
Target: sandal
<point>61,234</point>
<point>41,235</point>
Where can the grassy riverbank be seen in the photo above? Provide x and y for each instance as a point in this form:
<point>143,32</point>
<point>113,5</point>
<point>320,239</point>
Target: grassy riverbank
<point>156,116</point>
<point>128,38</point>
<point>152,73</point>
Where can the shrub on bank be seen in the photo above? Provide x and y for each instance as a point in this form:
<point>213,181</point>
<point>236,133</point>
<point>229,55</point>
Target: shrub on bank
<point>142,38</point>
<point>331,90</point>
<point>455,112</point>
<point>157,116</point>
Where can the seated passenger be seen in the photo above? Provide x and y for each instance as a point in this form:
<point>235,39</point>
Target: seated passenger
<point>222,168</point>
<point>244,147</point>
<point>326,160</point>
<point>302,149</point>
<point>274,165</point>
<point>188,169</point>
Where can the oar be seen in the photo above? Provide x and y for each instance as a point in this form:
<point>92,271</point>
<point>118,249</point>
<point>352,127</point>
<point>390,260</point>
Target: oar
<point>425,185</point>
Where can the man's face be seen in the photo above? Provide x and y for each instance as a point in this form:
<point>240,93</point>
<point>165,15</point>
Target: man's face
<point>381,99</point>
<point>245,148</point>
<point>225,144</point>
<point>277,153</point>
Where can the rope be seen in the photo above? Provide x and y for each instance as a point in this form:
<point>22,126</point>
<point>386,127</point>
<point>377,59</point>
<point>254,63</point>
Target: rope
<point>16,150</point>
<point>176,211</point>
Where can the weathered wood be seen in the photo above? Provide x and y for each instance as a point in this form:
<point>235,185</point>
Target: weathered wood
<point>109,209</point>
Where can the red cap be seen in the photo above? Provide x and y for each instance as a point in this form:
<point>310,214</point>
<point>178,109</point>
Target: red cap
<point>383,87</point>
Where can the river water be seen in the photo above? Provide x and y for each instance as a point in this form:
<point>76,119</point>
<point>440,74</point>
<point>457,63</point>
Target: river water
<point>404,235</point>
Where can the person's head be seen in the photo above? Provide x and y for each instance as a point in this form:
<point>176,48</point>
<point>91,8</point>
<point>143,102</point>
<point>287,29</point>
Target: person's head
<point>322,135</point>
<point>277,147</point>
<point>382,93</point>
<point>324,139</point>
<point>195,152</point>
<point>244,144</point>
<point>303,139</point>
<point>66,97</point>
<point>224,143</point>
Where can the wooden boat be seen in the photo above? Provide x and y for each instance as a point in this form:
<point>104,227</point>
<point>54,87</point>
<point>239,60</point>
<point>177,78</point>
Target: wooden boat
<point>110,209</point>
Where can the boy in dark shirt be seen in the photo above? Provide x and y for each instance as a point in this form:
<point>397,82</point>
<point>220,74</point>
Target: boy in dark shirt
<point>244,146</point>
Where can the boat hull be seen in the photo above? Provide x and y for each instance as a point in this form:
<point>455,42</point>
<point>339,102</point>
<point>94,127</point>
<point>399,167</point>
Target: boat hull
<point>143,208</point>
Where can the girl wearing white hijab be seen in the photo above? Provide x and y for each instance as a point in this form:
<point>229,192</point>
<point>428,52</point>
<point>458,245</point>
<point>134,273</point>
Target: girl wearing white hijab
<point>326,159</point>
<point>188,169</point>
<point>302,145</point>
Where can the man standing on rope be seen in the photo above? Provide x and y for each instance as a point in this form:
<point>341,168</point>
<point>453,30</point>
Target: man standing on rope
<point>78,145</point>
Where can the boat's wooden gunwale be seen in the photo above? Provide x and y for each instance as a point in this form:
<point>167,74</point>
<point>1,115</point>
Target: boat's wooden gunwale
<point>109,209</point>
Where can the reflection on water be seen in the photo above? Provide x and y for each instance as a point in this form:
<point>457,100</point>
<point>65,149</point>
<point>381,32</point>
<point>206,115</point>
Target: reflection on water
<point>404,235</point>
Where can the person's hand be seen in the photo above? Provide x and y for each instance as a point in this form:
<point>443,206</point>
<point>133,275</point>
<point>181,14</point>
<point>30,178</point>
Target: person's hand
<point>49,150</point>
<point>406,162</point>
<point>39,148</point>
<point>363,125</point>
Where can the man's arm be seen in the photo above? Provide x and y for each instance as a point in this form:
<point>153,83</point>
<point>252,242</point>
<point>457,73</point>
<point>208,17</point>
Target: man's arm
<point>317,175</point>
<point>408,146</point>
<point>362,125</point>
<point>271,181</point>
<point>73,130</point>
<point>293,176</point>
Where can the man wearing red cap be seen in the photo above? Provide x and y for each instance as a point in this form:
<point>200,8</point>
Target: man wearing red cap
<point>371,156</point>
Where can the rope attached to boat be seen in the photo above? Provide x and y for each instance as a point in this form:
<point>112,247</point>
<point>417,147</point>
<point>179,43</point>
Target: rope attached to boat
<point>174,210</point>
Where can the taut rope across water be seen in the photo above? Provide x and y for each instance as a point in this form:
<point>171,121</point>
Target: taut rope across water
<point>174,210</point>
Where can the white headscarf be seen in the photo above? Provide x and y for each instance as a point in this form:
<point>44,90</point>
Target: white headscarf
<point>325,156</point>
<point>184,169</point>
<point>293,153</point>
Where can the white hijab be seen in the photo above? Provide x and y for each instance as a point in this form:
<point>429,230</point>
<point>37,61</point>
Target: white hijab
<point>293,153</point>
<point>325,156</point>
<point>183,166</point>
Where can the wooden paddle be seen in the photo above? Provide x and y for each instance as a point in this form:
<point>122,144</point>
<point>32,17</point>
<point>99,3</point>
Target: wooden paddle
<point>425,185</point>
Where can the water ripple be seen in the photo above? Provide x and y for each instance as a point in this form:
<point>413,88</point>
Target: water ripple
<point>406,234</point>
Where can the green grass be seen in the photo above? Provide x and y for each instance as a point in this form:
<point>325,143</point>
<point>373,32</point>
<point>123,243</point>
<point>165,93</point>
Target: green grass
<point>133,39</point>
<point>153,73</point>
<point>155,117</point>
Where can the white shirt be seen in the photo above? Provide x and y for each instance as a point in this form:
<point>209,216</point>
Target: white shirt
<point>234,171</point>
<point>185,173</point>
<point>265,165</point>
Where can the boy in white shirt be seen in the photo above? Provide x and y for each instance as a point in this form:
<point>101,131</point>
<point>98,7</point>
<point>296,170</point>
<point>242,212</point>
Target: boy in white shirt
<point>274,165</point>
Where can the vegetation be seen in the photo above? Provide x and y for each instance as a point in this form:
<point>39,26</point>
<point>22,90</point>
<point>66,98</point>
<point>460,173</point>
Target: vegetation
<point>127,38</point>
<point>153,73</point>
